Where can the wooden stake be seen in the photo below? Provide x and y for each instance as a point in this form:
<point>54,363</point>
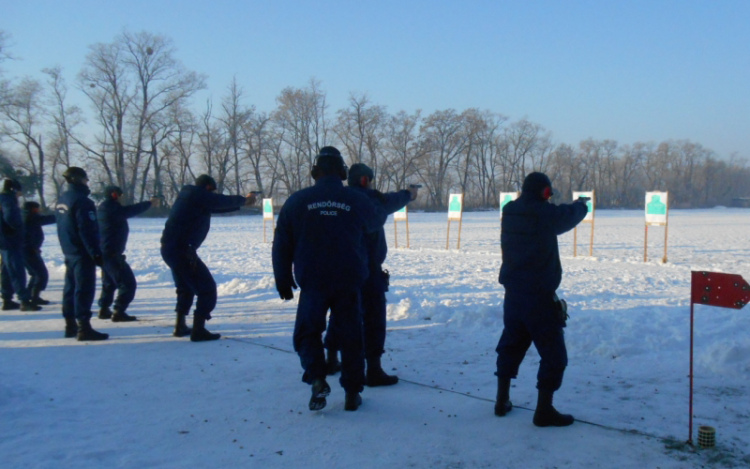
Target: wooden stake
<point>591,245</point>
<point>458,246</point>
<point>645,245</point>
<point>395,231</point>
<point>575,242</point>
<point>448,238</point>
<point>407,230</point>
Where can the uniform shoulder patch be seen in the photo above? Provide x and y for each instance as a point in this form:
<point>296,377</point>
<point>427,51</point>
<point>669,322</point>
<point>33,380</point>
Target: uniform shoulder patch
<point>92,216</point>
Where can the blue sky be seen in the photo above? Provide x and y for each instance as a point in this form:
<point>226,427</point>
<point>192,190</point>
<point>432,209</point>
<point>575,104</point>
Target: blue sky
<point>623,70</point>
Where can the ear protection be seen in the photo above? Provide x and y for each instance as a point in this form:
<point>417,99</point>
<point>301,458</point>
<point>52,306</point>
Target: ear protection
<point>343,170</point>
<point>547,193</point>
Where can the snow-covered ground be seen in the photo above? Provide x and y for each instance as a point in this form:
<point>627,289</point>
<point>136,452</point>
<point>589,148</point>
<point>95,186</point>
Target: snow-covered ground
<point>146,399</point>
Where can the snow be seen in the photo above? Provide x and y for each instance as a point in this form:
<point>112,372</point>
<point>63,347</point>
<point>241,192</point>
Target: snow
<point>147,399</point>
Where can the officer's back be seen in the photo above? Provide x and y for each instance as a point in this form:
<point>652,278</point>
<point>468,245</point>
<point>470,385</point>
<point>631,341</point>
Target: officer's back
<point>76,221</point>
<point>530,226</point>
<point>322,230</point>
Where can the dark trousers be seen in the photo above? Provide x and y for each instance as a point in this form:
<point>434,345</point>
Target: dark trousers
<point>13,275</point>
<point>373,319</point>
<point>191,278</point>
<point>117,275</point>
<point>346,324</point>
<point>38,274</point>
<point>80,287</point>
<point>531,317</point>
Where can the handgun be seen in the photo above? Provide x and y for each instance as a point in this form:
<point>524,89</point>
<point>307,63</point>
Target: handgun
<point>415,186</point>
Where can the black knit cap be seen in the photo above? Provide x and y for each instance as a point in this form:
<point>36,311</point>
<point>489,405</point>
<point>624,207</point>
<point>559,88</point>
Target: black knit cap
<point>330,161</point>
<point>357,171</point>
<point>205,180</point>
<point>11,185</point>
<point>74,174</point>
<point>535,183</point>
<point>110,189</point>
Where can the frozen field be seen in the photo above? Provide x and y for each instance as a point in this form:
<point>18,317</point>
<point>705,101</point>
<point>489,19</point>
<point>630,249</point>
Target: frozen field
<point>146,399</point>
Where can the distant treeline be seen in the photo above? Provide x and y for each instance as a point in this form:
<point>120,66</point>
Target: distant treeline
<point>143,133</point>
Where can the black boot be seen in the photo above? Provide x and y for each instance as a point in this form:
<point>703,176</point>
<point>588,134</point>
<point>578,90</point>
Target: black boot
<point>10,305</point>
<point>200,333</point>
<point>320,390</point>
<point>71,328</point>
<point>546,415</point>
<point>502,402</point>
<point>352,401</point>
<point>36,299</point>
<point>333,365</point>
<point>181,329</point>
<point>122,316</point>
<point>105,313</point>
<point>29,306</point>
<point>86,332</point>
<point>376,376</point>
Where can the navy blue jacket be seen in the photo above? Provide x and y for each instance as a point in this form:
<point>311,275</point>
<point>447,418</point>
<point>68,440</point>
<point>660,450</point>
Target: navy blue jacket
<point>11,223</point>
<point>190,217</point>
<point>321,233</point>
<point>531,258</point>
<point>113,224</point>
<point>385,204</point>
<point>33,232</point>
<point>76,222</point>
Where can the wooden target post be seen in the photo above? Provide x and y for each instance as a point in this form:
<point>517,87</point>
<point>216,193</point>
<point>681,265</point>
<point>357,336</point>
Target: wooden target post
<point>401,215</point>
<point>657,214</point>
<point>588,219</point>
<point>455,212</point>
<point>267,215</point>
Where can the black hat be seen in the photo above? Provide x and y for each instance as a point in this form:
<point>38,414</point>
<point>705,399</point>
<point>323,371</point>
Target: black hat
<point>357,171</point>
<point>110,189</point>
<point>535,183</point>
<point>205,180</point>
<point>11,185</point>
<point>30,205</point>
<point>329,161</point>
<point>75,175</point>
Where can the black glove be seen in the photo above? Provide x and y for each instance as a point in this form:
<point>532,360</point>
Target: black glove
<point>99,260</point>
<point>286,292</point>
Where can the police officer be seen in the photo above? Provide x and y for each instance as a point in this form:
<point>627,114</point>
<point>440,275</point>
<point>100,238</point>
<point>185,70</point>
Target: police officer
<point>11,250</point>
<point>78,233</point>
<point>116,273</point>
<point>186,228</point>
<point>320,234</point>
<point>531,272</point>
<point>32,252</point>
<point>373,292</point>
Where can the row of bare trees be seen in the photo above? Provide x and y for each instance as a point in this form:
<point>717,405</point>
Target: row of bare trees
<point>143,133</point>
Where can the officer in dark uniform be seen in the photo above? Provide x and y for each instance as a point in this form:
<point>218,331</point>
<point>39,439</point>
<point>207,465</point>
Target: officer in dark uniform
<point>373,292</point>
<point>32,252</point>
<point>11,249</point>
<point>320,234</point>
<point>116,273</point>
<point>78,233</point>
<point>531,272</point>
<point>186,228</point>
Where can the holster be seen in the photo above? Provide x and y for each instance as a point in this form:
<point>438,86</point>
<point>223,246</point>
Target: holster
<point>386,276</point>
<point>561,310</point>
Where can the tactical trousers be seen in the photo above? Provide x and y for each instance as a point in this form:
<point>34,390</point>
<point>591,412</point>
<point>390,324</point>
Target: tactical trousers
<point>38,274</point>
<point>373,319</point>
<point>117,275</point>
<point>346,325</point>
<point>531,317</point>
<point>191,278</point>
<point>13,275</point>
<point>80,287</point>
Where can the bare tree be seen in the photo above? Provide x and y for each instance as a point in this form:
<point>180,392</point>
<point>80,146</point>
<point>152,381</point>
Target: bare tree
<point>445,139</point>
<point>22,123</point>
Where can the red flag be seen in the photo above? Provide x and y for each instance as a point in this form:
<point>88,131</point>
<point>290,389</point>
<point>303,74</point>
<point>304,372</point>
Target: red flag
<point>717,289</point>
